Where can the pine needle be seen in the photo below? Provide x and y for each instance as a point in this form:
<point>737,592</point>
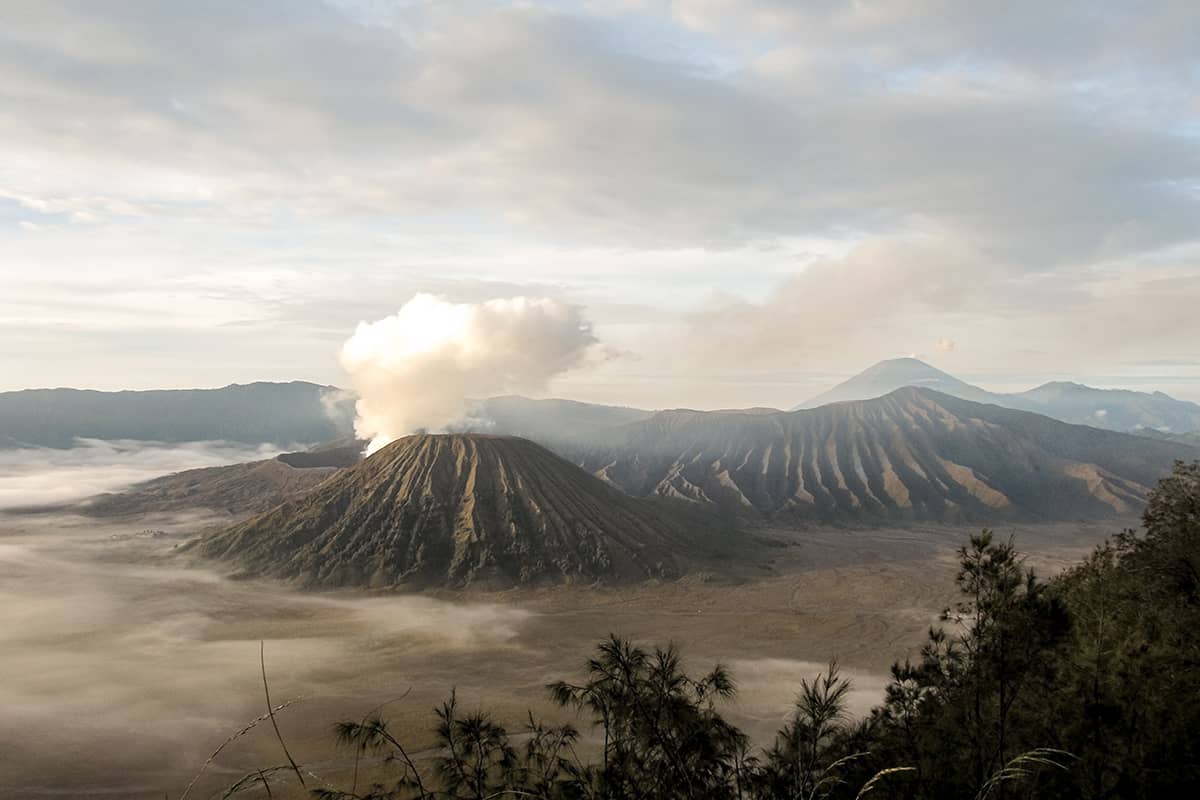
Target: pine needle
<point>262,660</point>
<point>237,735</point>
<point>879,776</point>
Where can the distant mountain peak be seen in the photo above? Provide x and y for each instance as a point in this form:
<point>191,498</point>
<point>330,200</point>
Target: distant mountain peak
<point>902,361</point>
<point>908,368</point>
<point>280,413</point>
<point>1071,386</point>
<point>892,374</point>
<point>1068,401</point>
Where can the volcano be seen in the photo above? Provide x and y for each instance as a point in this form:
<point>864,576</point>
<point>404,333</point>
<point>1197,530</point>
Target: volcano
<point>456,510</point>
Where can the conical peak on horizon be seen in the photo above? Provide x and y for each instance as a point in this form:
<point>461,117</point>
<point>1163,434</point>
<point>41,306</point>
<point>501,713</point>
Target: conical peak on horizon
<point>891,374</point>
<point>903,363</point>
<point>1068,401</point>
<point>908,368</point>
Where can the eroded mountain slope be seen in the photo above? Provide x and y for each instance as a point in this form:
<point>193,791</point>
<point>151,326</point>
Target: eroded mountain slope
<point>912,454</point>
<point>456,510</point>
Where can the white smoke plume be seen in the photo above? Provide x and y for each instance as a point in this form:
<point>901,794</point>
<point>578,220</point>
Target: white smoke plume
<point>416,369</point>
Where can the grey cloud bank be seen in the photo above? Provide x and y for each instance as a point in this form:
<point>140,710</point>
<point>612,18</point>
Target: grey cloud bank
<point>1015,178</point>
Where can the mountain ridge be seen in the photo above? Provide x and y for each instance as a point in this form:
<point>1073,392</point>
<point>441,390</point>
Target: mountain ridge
<point>1114,409</point>
<point>914,454</point>
<point>295,412</point>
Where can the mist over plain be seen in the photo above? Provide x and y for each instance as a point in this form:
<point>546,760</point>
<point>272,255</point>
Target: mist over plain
<point>40,476</point>
<point>122,677</point>
<point>123,667</point>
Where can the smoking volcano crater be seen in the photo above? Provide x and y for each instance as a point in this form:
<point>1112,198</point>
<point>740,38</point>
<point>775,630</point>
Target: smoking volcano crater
<point>457,510</point>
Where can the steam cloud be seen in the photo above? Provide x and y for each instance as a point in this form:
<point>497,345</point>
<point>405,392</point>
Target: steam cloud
<point>415,369</point>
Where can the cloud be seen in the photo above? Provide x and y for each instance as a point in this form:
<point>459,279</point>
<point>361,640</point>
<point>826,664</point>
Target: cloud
<point>661,146</point>
<point>417,368</point>
<point>476,108</point>
<point>838,303</point>
<point>945,345</point>
<point>882,297</point>
<point>32,477</point>
<point>77,209</point>
<point>1064,40</point>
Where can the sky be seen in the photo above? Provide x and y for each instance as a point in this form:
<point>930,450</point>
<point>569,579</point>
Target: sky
<point>747,200</point>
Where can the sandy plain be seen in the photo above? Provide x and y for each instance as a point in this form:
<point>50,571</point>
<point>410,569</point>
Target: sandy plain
<point>122,669</point>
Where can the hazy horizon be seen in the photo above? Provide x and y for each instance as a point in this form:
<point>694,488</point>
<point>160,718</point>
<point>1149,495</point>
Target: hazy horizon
<point>789,393</point>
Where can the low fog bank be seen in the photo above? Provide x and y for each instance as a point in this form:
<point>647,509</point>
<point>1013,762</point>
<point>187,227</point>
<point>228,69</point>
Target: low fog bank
<point>119,679</point>
<point>121,670</point>
<point>36,477</point>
